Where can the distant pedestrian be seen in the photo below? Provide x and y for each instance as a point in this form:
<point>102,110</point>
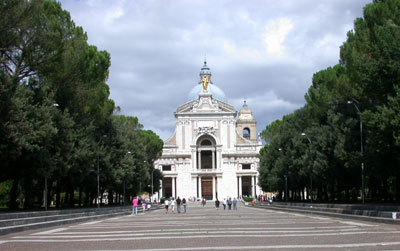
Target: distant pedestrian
<point>229,203</point>
<point>166,203</point>
<point>143,207</point>
<point>135,203</point>
<point>203,202</point>
<point>178,205</point>
<point>184,205</point>
<point>217,203</point>
<point>234,204</point>
<point>253,202</point>
<point>173,203</point>
<point>224,203</point>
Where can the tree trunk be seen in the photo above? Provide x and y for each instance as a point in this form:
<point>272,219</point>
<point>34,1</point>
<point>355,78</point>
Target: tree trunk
<point>58,195</point>
<point>110,197</point>
<point>49,187</point>
<point>72,197</point>
<point>66,198</point>
<point>80,197</point>
<point>398,186</point>
<point>27,189</point>
<point>13,203</point>
<point>385,190</point>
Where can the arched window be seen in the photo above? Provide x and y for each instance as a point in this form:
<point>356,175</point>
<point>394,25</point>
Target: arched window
<point>246,133</point>
<point>206,142</point>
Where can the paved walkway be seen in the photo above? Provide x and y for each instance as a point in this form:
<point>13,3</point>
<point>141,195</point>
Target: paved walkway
<point>210,229</point>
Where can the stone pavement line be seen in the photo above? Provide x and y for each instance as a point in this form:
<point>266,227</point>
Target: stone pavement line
<point>209,229</point>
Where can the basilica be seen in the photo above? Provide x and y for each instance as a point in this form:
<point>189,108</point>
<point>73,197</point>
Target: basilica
<point>213,152</point>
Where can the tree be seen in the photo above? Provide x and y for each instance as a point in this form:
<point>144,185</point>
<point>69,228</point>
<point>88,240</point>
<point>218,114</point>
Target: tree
<point>368,74</point>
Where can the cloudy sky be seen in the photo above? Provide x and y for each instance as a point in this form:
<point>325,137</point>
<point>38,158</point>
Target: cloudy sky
<point>264,51</point>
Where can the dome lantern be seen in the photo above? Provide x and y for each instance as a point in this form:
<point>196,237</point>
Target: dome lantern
<point>206,86</point>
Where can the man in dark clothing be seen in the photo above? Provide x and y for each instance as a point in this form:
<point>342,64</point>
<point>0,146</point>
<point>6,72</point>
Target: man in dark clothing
<point>229,203</point>
<point>217,203</point>
<point>178,205</point>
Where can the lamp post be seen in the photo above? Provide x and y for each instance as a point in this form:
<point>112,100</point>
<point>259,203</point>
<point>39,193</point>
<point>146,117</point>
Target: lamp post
<point>311,190</point>
<point>152,184</point>
<point>124,181</point>
<point>362,154</point>
<point>286,191</point>
<point>45,192</point>
<point>98,171</point>
<point>285,176</point>
<point>45,178</point>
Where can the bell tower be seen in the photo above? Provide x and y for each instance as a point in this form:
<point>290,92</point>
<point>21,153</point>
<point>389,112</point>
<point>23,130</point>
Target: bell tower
<point>246,124</point>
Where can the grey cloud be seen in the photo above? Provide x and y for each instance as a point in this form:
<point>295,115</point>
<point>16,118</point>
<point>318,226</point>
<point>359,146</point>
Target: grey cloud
<point>157,49</point>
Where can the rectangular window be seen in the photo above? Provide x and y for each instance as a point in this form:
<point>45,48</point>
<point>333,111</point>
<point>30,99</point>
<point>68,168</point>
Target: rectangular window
<point>246,167</point>
<point>166,168</point>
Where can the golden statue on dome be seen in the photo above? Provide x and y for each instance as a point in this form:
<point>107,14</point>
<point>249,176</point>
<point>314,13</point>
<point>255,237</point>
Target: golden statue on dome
<point>205,82</point>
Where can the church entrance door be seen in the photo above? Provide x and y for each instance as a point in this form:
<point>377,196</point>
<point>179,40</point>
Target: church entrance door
<point>206,188</point>
<point>167,186</point>
<point>246,186</point>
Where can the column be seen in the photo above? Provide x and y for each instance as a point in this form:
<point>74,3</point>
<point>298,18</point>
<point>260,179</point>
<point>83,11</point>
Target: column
<point>219,159</point>
<point>197,187</point>
<point>173,186</point>
<point>213,187</point>
<point>255,186</point>
<point>200,194</point>
<point>199,159</point>
<point>194,160</point>
<point>237,183</point>
<point>160,193</point>
<point>213,159</point>
<point>240,186</point>
<point>216,187</point>
<point>252,186</point>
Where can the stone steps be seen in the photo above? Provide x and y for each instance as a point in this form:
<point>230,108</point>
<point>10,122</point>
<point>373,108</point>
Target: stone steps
<point>379,213</point>
<point>22,221</point>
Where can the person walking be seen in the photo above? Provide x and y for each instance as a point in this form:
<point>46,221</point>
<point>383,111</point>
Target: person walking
<point>224,203</point>
<point>173,203</point>
<point>166,203</point>
<point>253,202</point>
<point>178,205</point>
<point>229,203</point>
<point>234,204</point>
<point>217,203</point>
<point>203,202</point>
<point>135,203</point>
<point>184,205</point>
<point>143,207</point>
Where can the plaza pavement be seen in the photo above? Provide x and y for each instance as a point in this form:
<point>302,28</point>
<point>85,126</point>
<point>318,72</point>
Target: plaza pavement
<point>210,229</point>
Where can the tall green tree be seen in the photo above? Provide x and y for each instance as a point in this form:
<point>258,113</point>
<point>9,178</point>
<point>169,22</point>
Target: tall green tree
<point>368,75</point>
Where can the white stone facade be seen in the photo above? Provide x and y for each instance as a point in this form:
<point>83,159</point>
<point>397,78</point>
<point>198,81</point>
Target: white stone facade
<point>213,153</point>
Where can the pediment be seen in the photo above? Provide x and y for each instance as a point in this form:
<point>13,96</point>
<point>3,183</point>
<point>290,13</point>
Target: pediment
<point>205,104</point>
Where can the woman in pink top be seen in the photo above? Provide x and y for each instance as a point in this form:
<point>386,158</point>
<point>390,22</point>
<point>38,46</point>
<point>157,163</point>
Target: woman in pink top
<point>135,203</point>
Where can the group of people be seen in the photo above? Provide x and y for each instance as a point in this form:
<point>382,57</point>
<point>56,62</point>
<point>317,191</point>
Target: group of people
<point>135,205</point>
<point>263,199</point>
<point>178,203</point>
<point>227,202</point>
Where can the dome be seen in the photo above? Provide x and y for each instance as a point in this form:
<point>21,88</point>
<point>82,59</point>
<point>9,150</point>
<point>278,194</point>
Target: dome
<point>206,87</point>
<point>215,91</point>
